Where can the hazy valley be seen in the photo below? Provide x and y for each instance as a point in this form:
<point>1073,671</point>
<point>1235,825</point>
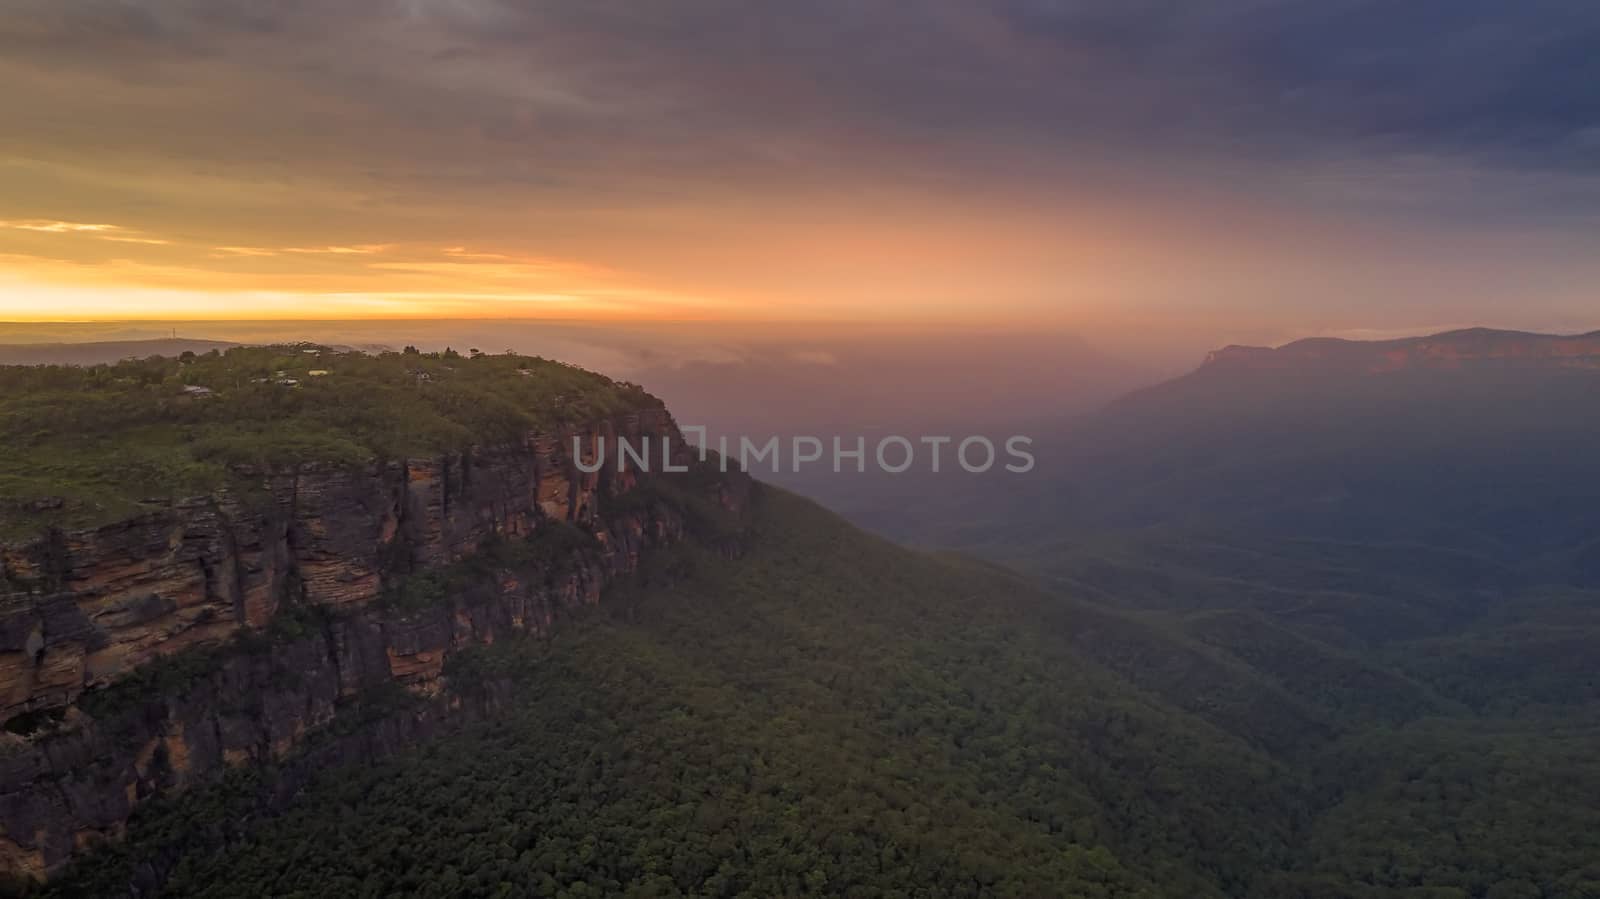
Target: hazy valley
<point>1311,622</point>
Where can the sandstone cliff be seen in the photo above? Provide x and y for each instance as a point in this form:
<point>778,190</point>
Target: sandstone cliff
<point>157,652</point>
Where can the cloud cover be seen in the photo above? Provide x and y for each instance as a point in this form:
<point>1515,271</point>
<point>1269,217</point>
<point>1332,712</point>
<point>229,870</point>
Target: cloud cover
<point>632,134</point>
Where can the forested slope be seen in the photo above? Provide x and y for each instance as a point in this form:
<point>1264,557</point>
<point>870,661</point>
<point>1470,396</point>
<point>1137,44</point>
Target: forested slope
<point>834,715</point>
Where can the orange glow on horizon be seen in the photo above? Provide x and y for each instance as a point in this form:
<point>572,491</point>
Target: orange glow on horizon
<point>82,271</point>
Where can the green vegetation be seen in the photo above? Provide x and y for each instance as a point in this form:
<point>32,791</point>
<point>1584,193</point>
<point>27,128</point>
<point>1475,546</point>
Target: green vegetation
<point>1330,644</point>
<point>832,715</point>
<point>167,676</point>
<point>689,493</point>
<point>174,674</point>
<point>87,445</point>
<point>550,548</point>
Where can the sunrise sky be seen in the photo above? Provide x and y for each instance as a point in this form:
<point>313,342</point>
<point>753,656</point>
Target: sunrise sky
<point>1309,167</point>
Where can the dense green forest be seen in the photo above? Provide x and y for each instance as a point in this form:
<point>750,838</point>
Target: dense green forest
<point>88,444</point>
<point>833,715</point>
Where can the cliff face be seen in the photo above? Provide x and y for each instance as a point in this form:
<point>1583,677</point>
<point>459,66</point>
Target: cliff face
<point>1455,349</point>
<point>106,606</point>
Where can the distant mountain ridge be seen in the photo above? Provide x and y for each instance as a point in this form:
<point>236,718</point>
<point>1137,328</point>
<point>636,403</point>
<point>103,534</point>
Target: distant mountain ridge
<point>103,351</point>
<point>1470,347</point>
<point>1475,441</point>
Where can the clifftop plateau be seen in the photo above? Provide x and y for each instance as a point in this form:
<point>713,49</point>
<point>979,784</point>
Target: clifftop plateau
<point>289,532</point>
<point>98,444</point>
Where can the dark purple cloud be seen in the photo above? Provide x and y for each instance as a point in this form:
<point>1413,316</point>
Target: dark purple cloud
<point>600,95</point>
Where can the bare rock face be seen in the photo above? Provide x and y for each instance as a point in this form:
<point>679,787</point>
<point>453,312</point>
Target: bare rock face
<point>91,609</point>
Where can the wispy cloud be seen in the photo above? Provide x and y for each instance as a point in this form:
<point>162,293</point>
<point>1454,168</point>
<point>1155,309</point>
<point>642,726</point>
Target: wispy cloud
<point>462,262</point>
<point>233,252</point>
<point>365,249</point>
<point>122,238</point>
<point>464,253</point>
<point>49,226</point>
<point>99,230</point>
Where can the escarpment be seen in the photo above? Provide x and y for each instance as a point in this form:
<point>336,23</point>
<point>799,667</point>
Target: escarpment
<point>1452,350</point>
<point>155,653</point>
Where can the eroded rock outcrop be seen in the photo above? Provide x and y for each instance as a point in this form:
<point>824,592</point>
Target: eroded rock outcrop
<point>274,596</point>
